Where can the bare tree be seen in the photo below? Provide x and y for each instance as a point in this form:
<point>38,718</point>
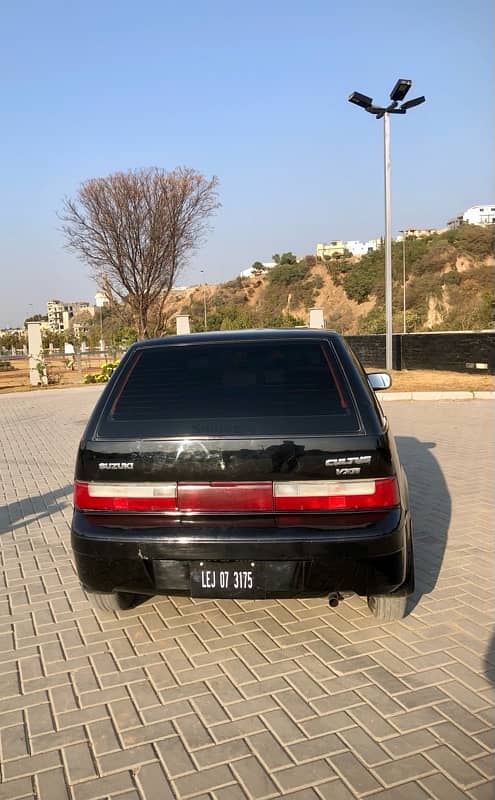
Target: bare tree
<point>136,230</point>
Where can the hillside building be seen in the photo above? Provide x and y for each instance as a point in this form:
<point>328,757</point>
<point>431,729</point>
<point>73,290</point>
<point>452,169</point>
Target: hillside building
<point>340,247</point>
<point>248,272</point>
<point>476,215</point>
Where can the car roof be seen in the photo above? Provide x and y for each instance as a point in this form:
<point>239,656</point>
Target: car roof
<point>239,336</point>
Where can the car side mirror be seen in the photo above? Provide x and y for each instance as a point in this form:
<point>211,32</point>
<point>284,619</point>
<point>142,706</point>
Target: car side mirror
<point>379,381</point>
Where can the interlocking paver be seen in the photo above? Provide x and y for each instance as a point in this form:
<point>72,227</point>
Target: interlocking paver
<point>454,766</point>
<point>79,762</point>
<point>406,791</point>
<point>203,781</point>
<point>315,748</point>
<point>20,788</point>
<point>465,746</point>
<point>303,776</point>
<point>153,783</point>
<point>30,765</point>
<point>269,751</point>
<point>231,700</point>
<point>317,726</point>
<point>334,790</point>
<point>408,743</point>
<point>354,772</point>
<point>52,785</point>
<point>106,786</point>
<point>283,727</point>
<point>404,769</point>
<point>364,746</point>
<point>441,788</point>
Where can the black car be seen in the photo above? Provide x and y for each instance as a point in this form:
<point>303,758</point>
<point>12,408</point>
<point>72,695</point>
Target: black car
<point>246,464</point>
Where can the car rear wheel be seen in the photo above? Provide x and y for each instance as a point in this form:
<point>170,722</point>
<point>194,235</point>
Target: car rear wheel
<point>388,607</point>
<point>112,601</point>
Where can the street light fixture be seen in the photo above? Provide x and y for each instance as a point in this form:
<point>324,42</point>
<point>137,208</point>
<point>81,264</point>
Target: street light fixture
<point>397,95</point>
<point>400,90</point>
<point>417,101</point>
<point>361,100</point>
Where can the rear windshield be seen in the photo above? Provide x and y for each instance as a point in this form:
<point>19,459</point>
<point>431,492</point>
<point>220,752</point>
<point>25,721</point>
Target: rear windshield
<point>266,388</point>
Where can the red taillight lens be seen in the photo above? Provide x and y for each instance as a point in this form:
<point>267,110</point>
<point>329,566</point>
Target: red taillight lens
<point>224,496</point>
<point>125,496</point>
<point>335,495</point>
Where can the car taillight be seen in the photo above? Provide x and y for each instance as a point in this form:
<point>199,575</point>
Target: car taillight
<point>245,496</point>
<point>125,496</point>
<point>335,495</point>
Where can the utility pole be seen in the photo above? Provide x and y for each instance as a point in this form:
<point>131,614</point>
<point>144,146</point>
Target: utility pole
<point>204,301</point>
<point>404,325</point>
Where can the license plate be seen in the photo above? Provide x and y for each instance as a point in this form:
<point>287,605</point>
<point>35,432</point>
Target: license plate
<point>226,579</point>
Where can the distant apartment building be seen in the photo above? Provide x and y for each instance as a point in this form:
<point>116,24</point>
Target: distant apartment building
<point>61,315</point>
<point>339,247</point>
<point>476,215</point>
<point>333,249</point>
<point>357,248</point>
<point>418,233</point>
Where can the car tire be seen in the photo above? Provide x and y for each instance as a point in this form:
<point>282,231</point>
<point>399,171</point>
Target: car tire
<point>111,601</point>
<point>388,607</point>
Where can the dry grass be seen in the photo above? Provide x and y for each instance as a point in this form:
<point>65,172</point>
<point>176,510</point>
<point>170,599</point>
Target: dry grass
<point>17,379</point>
<point>422,380</point>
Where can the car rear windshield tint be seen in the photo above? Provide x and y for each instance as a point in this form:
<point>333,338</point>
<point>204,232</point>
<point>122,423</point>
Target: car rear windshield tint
<point>238,388</point>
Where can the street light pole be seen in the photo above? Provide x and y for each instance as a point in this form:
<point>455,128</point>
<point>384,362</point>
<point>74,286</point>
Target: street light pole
<point>397,96</point>
<point>388,243</point>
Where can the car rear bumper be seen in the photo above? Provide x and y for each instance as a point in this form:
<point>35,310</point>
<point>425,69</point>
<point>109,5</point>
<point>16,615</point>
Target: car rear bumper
<point>297,561</point>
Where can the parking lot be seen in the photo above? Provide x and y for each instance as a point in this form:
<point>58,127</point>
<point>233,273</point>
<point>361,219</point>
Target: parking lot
<point>254,699</point>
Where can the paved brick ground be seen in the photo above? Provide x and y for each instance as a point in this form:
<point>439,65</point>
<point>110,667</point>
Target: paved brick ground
<point>227,700</point>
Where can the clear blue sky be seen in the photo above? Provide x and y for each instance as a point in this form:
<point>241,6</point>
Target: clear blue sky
<point>255,93</point>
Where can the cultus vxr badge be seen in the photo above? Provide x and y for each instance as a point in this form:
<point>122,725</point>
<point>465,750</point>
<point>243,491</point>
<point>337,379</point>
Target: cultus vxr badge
<point>348,465</point>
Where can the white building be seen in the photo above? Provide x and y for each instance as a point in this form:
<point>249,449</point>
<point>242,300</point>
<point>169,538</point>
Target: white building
<point>480,215</point>
<point>339,247</point>
<point>248,272</point>
<point>476,215</point>
<point>357,248</point>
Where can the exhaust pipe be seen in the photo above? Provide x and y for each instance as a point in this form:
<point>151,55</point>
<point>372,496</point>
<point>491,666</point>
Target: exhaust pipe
<point>333,599</point>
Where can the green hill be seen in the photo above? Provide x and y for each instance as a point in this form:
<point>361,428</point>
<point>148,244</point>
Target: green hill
<point>449,286</point>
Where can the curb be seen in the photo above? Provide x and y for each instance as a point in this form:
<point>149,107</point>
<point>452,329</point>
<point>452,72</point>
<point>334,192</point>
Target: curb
<point>47,392</point>
<point>392,396</point>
